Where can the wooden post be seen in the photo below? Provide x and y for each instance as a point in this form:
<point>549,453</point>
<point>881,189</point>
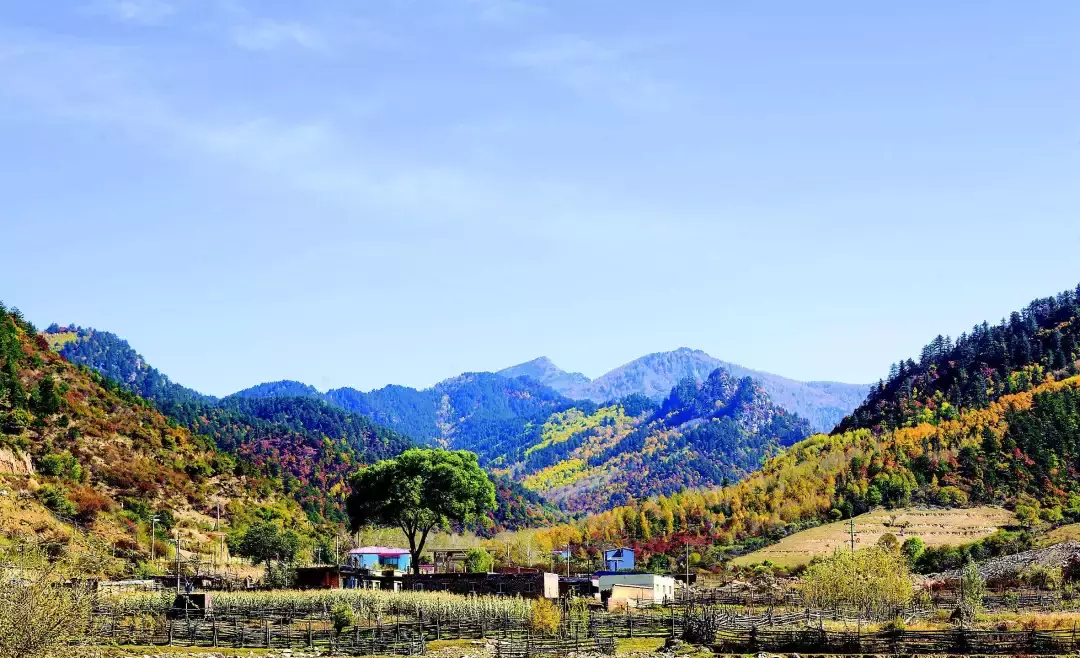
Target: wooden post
<point>267,633</point>
<point>310,639</point>
<point>215,633</point>
<point>170,623</point>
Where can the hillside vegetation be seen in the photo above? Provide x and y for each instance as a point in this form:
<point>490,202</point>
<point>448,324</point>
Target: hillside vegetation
<point>702,434</point>
<point>285,432</point>
<point>103,459</point>
<point>578,454</point>
<point>1015,443</point>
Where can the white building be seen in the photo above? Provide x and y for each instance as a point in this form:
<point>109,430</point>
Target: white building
<point>637,588</point>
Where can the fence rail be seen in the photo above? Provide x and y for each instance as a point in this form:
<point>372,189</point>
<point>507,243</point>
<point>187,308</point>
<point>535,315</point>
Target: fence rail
<point>956,641</point>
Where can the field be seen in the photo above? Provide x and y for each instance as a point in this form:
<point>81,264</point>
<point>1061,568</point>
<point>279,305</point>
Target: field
<point>936,527</point>
<point>1070,532</point>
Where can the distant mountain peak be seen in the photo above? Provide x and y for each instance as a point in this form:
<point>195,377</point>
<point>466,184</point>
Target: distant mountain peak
<point>543,370</point>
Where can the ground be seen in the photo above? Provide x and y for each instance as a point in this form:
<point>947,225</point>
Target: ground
<point>936,527</point>
<point>1070,532</point>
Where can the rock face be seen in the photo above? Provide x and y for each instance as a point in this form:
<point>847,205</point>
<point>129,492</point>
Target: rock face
<point>1008,566</point>
<point>15,463</point>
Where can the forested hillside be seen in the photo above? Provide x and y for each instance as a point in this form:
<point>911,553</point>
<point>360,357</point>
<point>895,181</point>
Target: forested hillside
<point>703,434</point>
<point>931,437</point>
<point>470,406</point>
<point>103,459</point>
<point>978,367</point>
<point>823,404</point>
<point>297,439</point>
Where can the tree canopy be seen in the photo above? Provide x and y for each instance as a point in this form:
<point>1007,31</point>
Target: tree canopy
<point>419,490</point>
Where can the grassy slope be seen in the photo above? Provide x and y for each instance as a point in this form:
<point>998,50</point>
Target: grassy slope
<point>936,527</point>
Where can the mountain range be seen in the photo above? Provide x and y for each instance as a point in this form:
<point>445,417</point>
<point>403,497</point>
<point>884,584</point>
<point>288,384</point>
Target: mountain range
<point>544,446</point>
<point>94,441</point>
<point>824,404</point>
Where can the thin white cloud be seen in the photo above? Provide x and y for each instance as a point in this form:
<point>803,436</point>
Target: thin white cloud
<point>143,12</point>
<point>108,87</point>
<point>268,34</point>
<point>597,70</point>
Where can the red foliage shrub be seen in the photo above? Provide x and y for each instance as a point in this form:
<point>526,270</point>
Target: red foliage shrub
<point>89,502</point>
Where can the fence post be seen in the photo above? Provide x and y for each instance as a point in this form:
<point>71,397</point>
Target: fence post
<point>438,629</point>
<point>170,624</point>
<point>215,633</point>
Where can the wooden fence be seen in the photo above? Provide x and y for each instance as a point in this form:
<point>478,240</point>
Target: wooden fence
<point>955,641</point>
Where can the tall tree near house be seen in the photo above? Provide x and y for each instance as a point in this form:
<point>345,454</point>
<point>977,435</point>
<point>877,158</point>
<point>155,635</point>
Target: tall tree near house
<point>418,491</point>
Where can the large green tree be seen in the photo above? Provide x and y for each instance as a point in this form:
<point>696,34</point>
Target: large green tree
<point>420,490</point>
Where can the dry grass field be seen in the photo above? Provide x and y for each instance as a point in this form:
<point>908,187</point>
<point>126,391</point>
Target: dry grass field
<point>936,527</point>
<point>1070,532</point>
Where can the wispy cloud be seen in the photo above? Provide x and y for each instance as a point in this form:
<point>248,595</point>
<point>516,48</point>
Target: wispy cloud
<point>597,70</point>
<point>143,12</point>
<point>265,34</point>
<point>76,83</point>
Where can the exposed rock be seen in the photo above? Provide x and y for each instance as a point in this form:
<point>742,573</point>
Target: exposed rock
<point>15,462</point>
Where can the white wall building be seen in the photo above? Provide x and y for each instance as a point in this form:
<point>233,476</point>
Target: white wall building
<point>648,586</point>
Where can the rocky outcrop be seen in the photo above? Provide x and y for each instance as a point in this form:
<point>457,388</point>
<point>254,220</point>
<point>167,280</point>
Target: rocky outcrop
<point>14,462</point>
<point>1008,566</point>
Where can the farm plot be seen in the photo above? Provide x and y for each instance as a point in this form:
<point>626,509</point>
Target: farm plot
<point>936,527</point>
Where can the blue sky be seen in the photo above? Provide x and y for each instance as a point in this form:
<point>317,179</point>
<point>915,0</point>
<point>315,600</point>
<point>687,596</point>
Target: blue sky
<point>396,191</point>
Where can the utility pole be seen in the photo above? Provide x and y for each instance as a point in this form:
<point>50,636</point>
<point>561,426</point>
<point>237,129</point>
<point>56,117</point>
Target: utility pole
<point>178,560</point>
<point>851,527</point>
<point>687,583</point>
<point>568,559</point>
<point>153,535</point>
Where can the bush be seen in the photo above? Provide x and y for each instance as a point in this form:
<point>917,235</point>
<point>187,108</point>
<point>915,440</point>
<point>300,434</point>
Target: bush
<point>55,499</point>
<point>61,465</point>
<point>477,560</point>
<point>15,422</point>
<point>88,503</point>
<point>544,618</point>
<point>342,616</point>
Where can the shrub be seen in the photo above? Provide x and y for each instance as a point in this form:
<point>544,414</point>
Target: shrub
<point>477,560</point>
<point>88,503</point>
<point>55,499</point>
<point>15,422</point>
<point>61,465</point>
<point>544,618</point>
<point>342,616</point>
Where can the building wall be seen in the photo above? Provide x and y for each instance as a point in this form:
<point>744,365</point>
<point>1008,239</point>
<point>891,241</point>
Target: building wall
<point>663,587</point>
<point>629,595</point>
<point>528,585</point>
<point>373,562</point>
<point>624,563</point>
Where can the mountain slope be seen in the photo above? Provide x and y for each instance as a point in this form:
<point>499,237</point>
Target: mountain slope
<point>822,403</point>
<point>910,444</point>
<point>291,433</point>
<point>457,412</point>
<point>993,360</point>
<point>703,434</point>
<point>547,373</point>
<point>103,459</point>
